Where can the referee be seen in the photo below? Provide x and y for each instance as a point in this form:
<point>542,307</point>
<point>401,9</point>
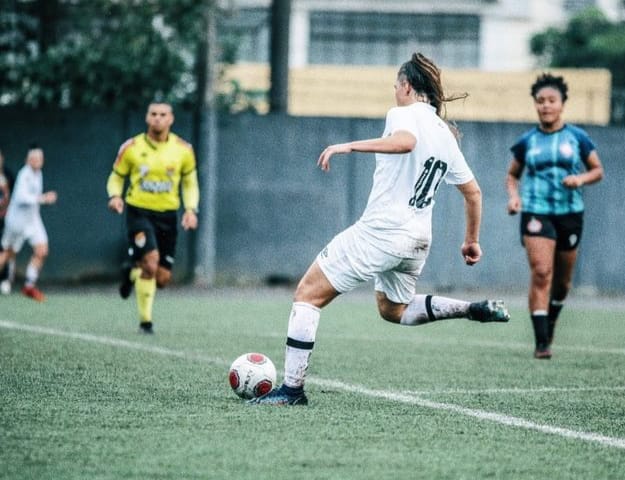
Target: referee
<point>161,171</point>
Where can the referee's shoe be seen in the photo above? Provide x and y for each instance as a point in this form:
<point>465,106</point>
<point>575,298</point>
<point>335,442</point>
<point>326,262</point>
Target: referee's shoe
<point>125,287</point>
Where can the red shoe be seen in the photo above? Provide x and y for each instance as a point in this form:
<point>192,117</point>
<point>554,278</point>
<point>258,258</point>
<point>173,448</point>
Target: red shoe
<point>34,293</point>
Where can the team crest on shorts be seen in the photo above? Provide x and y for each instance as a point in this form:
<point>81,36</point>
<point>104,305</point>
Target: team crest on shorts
<point>572,239</point>
<point>140,239</point>
<point>534,225</point>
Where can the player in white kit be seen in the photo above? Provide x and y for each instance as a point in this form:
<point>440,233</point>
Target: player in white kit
<point>390,242</point>
<point>23,221</point>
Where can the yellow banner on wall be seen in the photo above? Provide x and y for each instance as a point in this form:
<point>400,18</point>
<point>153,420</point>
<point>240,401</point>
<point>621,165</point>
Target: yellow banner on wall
<point>367,92</point>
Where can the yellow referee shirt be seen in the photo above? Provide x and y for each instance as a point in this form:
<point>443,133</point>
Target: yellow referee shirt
<point>155,171</point>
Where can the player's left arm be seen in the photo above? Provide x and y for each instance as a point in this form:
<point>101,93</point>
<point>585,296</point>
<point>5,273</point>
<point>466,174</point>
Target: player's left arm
<point>593,173</point>
<point>190,192</point>
<point>401,141</point>
<point>471,250</point>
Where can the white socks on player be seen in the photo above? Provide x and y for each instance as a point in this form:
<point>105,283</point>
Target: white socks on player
<point>427,308</point>
<point>301,333</point>
<point>32,274</point>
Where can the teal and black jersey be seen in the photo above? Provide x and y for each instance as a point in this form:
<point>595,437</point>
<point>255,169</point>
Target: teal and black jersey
<point>548,158</point>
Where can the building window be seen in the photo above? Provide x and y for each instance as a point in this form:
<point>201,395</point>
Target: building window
<point>356,38</point>
<point>248,30</point>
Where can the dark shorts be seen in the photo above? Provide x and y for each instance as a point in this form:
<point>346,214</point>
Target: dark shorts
<point>566,230</point>
<point>149,230</point>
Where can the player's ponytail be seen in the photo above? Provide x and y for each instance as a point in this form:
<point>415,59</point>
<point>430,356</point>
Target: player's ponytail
<point>425,78</point>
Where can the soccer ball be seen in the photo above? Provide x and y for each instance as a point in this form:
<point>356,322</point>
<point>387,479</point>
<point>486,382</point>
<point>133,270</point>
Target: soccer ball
<point>252,375</point>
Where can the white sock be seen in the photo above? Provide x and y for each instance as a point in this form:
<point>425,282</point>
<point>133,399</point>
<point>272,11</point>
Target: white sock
<point>11,275</point>
<point>301,333</point>
<point>427,308</point>
<point>32,274</point>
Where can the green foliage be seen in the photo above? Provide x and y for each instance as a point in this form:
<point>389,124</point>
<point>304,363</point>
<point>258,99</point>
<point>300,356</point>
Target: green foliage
<point>100,53</point>
<point>589,40</point>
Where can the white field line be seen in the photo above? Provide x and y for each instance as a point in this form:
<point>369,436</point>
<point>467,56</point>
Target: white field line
<point>112,342</point>
<point>361,390</point>
<point>513,390</point>
<point>472,343</point>
<point>476,413</point>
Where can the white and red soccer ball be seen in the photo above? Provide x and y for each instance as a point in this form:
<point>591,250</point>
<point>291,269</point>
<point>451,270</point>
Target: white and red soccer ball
<point>252,375</point>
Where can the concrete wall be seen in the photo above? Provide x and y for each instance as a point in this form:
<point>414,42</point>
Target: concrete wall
<point>276,209</point>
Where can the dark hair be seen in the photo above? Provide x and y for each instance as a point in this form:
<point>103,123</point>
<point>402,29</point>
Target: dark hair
<point>425,77</point>
<point>548,80</point>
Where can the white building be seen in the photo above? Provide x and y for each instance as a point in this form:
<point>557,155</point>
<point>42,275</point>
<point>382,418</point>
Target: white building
<point>475,34</point>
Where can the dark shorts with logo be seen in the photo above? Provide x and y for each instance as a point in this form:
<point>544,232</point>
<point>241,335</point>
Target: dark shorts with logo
<point>149,230</point>
<point>566,230</point>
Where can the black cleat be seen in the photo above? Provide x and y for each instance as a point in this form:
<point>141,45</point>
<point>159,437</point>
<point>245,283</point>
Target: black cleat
<point>281,397</point>
<point>125,287</point>
<point>146,328</point>
<point>489,311</point>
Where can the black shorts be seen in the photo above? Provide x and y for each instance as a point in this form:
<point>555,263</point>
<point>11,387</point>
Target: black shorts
<point>566,229</point>
<point>149,230</point>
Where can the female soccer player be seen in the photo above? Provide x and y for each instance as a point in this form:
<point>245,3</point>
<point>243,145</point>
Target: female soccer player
<point>391,241</point>
<point>558,160</point>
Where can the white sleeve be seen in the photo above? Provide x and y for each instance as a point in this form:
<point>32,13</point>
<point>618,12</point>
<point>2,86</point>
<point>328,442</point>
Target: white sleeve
<point>23,194</point>
<point>459,171</point>
<point>400,118</point>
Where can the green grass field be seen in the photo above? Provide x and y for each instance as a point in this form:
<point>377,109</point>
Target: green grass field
<point>83,396</point>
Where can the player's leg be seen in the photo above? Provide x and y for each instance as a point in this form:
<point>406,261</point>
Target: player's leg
<point>313,292</point>
<point>145,285</point>
<point>328,276</point>
<point>424,309</point>
<point>397,302</point>
<point>137,224</point>
<point>156,265</point>
<point>4,269</point>
<point>33,269</point>
<point>569,232</point>
<point>7,261</point>
<point>540,254</point>
<point>12,242</point>
<point>563,267</point>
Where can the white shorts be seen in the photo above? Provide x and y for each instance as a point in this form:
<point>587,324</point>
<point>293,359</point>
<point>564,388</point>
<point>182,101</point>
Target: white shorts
<point>354,256</point>
<point>14,235</point>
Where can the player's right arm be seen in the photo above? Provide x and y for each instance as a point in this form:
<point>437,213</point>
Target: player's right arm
<point>401,141</point>
<point>115,182</point>
<point>512,186</point>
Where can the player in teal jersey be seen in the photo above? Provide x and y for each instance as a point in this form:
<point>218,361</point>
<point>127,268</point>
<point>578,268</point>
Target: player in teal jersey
<point>558,159</point>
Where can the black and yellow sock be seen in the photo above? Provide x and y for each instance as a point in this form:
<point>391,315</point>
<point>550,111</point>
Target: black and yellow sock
<point>146,290</point>
<point>135,273</point>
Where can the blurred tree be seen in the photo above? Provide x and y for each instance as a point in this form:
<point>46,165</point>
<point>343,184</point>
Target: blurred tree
<point>589,40</point>
<point>100,53</point>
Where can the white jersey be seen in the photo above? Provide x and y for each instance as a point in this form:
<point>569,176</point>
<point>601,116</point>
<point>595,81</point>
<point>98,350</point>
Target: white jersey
<point>402,196</point>
<point>24,206</point>
<point>23,219</point>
